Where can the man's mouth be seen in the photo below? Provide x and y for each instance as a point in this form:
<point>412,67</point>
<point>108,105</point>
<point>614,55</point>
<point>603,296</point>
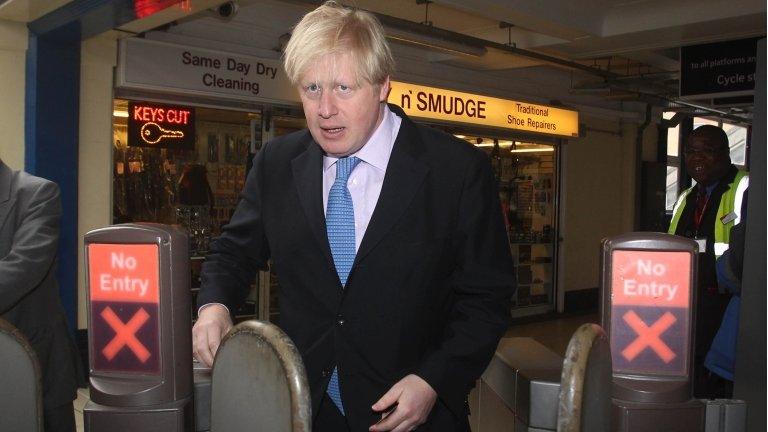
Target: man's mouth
<point>332,130</point>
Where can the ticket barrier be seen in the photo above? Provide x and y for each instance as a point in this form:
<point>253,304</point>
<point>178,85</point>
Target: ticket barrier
<point>648,300</point>
<point>585,387</point>
<point>140,342</point>
<point>518,390</point>
<point>527,387</point>
<point>21,393</point>
<point>259,382</point>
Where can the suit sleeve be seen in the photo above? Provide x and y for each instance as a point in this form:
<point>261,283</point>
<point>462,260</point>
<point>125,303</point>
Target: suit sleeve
<point>483,284</point>
<point>236,256</point>
<point>34,247</point>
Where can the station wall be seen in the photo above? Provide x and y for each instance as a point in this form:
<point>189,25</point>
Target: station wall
<point>13,50</point>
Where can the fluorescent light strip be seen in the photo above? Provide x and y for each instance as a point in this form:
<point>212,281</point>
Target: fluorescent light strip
<point>117,113</point>
<point>533,150</point>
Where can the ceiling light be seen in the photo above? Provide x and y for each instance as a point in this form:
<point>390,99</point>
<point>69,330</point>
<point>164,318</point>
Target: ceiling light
<point>119,113</point>
<point>533,150</point>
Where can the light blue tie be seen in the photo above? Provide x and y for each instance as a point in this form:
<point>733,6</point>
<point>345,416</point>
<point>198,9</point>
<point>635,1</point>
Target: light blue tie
<point>340,225</point>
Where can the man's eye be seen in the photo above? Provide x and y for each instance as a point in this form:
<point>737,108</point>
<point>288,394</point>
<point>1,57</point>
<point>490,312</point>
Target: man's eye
<point>312,88</point>
<point>344,88</point>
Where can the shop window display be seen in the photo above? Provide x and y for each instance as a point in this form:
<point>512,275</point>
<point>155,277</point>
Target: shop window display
<point>195,188</point>
<point>526,173</point>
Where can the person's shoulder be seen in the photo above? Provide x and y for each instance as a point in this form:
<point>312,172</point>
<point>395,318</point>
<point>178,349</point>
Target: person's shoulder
<point>26,183</point>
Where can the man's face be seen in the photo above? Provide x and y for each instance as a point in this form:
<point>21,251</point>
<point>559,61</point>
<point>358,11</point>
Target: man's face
<point>705,160</point>
<point>341,112</point>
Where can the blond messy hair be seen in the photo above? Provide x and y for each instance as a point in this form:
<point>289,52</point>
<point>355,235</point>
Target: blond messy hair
<point>335,29</point>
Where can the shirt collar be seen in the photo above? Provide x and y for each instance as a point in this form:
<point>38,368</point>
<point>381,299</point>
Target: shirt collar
<point>379,146</point>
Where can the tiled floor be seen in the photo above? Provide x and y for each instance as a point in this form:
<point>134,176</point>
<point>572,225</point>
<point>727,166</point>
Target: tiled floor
<point>552,333</point>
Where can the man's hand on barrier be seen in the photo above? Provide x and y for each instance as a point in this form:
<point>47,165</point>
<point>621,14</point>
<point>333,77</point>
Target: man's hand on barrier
<point>414,399</point>
<point>212,324</point>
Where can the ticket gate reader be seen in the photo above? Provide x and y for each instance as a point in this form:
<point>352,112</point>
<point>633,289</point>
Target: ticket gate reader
<point>139,320</point>
<point>648,299</point>
<point>21,392</point>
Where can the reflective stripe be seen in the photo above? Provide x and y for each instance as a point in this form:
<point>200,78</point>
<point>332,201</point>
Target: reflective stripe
<point>678,210</point>
<point>740,189</point>
<point>680,200</point>
<point>720,248</point>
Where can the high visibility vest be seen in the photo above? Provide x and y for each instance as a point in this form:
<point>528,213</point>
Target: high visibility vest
<point>730,202</point>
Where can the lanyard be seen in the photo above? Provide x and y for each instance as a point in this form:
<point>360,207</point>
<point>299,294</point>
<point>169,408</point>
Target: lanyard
<point>700,216</point>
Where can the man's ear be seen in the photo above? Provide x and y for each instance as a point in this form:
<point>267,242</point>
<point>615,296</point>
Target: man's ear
<point>384,90</point>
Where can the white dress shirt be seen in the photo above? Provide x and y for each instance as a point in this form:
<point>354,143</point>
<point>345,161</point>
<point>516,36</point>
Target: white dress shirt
<point>366,179</point>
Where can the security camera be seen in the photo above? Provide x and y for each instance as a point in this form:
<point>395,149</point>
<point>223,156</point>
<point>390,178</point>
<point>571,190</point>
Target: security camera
<point>227,10</point>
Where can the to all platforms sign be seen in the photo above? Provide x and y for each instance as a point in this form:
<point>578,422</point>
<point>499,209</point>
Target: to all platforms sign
<point>650,316</point>
<point>124,294</point>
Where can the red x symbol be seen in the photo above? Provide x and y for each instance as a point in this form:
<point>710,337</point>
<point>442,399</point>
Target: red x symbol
<point>125,334</point>
<point>649,336</point>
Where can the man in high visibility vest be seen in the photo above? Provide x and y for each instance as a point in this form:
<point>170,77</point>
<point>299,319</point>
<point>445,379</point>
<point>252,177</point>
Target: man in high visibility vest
<point>706,212</point>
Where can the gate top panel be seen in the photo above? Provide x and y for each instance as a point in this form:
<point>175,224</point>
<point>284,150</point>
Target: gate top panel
<point>139,315</point>
<point>648,298</point>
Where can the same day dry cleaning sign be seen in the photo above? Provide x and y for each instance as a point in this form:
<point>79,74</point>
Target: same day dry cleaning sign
<point>184,70</point>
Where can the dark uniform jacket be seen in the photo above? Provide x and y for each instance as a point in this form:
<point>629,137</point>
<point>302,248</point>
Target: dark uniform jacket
<point>429,292</point>
<point>30,211</point>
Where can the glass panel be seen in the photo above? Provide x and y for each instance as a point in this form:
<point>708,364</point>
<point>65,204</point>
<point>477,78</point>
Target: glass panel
<point>700,121</point>
<point>671,187</point>
<point>195,188</point>
<point>527,180</point>
<point>673,136</point>
<point>737,140</point>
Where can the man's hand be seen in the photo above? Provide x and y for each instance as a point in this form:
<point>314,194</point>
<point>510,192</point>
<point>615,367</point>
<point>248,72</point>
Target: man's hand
<point>212,324</point>
<point>414,398</point>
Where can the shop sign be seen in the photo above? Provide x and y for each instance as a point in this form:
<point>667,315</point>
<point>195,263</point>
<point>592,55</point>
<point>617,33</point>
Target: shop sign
<point>453,106</point>
<point>124,302</point>
<point>650,316</point>
<point>157,125</point>
<point>170,68</point>
<point>722,69</point>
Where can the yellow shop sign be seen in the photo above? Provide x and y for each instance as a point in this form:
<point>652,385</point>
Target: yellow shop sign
<point>448,105</point>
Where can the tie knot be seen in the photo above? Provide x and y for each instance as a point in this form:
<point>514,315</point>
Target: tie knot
<point>344,167</point>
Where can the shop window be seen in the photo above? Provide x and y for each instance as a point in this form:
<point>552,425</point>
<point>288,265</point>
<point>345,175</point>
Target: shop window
<point>737,140</point>
<point>527,178</point>
<point>195,187</point>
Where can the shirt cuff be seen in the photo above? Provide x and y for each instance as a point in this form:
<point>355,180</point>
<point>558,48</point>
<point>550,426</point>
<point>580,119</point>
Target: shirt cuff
<point>209,304</point>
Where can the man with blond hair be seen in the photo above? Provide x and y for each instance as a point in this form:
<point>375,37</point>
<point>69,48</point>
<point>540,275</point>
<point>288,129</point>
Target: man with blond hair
<point>387,237</point>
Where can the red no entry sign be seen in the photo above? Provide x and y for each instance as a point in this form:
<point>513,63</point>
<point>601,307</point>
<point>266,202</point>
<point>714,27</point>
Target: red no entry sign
<point>124,296</point>
<point>650,316</point>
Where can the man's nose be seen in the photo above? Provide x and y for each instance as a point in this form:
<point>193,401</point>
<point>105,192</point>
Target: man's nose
<point>327,106</point>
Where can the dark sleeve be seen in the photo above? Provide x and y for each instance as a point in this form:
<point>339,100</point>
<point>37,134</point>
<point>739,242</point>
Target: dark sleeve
<point>241,250</point>
<point>35,243</point>
<point>483,284</point>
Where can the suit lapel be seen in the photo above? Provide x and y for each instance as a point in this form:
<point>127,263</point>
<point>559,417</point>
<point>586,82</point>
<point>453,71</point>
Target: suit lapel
<point>5,192</point>
<point>404,176</point>
<point>307,172</point>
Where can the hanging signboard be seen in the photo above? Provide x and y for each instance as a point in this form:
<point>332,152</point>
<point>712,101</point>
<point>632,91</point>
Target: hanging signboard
<point>722,69</point>
<point>453,106</point>
<point>166,67</point>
